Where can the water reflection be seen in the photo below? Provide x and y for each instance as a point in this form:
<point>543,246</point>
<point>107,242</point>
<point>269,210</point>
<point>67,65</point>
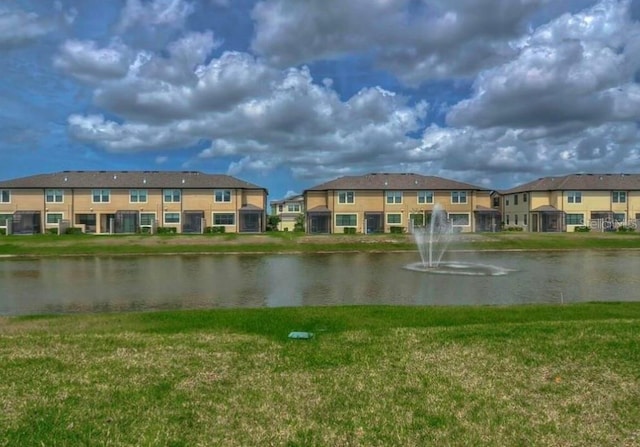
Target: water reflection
<point>106,284</point>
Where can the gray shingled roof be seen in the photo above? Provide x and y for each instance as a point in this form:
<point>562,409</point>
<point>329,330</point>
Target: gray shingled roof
<point>581,182</point>
<point>128,179</point>
<point>386,181</point>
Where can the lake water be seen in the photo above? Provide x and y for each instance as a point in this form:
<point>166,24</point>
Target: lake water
<point>127,283</point>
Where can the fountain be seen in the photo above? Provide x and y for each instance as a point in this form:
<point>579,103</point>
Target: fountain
<point>432,241</point>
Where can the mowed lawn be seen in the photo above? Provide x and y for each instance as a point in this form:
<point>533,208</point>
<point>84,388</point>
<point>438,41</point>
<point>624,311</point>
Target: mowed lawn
<point>371,376</point>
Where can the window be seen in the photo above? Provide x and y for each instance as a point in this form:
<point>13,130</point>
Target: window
<point>222,195</point>
<point>425,196</point>
<point>293,208</point>
<point>417,219</point>
<point>506,201</point>
<point>346,197</point>
<point>101,195</point>
<point>525,219</point>
<point>394,218</point>
<point>515,219</point>
<point>4,218</point>
<point>619,197</point>
<point>147,219</point>
<point>54,218</point>
<point>574,197</point>
<point>172,218</point>
<point>574,219</point>
<point>54,196</point>
<point>224,218</point>
<point>458,196</point>
<point>620,217</point>
<point>171,195</point>
<point>507,220</point>
<point>515,201</point>
<point>346,220</point>
<point>138,196</point>
<point>394,197</point>
<point>5,196</point>
<point>524,199</point>
<point>459,219</point>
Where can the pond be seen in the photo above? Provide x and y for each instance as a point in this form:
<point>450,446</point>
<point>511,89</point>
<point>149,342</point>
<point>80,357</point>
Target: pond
<point>128,283</point>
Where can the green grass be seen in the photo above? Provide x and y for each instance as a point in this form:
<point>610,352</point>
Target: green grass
<point>52,245</point>
<point>371,376</point>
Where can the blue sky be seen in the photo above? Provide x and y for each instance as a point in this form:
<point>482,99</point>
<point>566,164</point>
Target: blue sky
<point>288,94</point>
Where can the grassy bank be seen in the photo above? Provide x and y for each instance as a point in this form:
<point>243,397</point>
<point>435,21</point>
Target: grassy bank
<point>371,376</point>
<point>51,245</point>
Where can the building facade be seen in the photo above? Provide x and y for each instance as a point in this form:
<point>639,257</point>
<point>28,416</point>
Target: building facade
<point>131,201</point>
<point>600,202</point>
<point>289,210</point>
<point>383,203</point>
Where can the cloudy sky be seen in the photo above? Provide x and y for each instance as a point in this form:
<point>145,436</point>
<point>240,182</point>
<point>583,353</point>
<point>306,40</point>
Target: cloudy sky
<point>288,93</point>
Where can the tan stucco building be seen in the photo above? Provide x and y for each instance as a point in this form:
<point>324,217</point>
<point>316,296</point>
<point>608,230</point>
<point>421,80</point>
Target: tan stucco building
<point>381,202</point>
<point>131,201</point>
<point>602,202</point>
<point>289,211</point>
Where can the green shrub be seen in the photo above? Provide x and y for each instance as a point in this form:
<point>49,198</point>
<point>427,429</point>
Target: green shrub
<point>349,230</point>
<point>51,231</point>
<point>73,230</point>
<point>396,230</point>
<point>625,229</point>
<point>214,230</point>
<point>167,230</point>
<point>514,229</point>
<point>582,229</point>
<point>3,232</point>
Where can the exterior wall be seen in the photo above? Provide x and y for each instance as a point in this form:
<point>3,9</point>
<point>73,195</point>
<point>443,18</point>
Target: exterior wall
<point>592,201</point>
<point>80,201</point>
<point>375,201</point>
<point>516,210</point>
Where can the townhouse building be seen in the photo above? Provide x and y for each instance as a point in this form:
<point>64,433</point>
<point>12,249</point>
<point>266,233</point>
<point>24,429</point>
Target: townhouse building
<point>131,201</point>
<point>385,202</point>
<point>602,202</point>
<point>289,210</point>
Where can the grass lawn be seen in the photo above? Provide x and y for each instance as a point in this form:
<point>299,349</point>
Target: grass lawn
<point>371,376</point>
<point>53,245</point>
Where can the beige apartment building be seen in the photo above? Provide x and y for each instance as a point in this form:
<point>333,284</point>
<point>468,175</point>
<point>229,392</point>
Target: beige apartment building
<point>602,202</point>
<point>289,210</point>
<point>131,201</point>
<point>381,202</point>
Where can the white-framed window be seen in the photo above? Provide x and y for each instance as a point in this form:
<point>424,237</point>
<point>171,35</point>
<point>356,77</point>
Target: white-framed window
<point>394,218</point>
<point>574,197</point>
<point>4,218</point>
<point>293,207</point>
<point>346,220</point>
<point>5,196</point>
<point>171,218</point>
<point>171,196</point>
<point>346,197</point>
<point>138,196</point>
<point>574,219</point>
<point>417,219</point>
<point>101,195</point>
<point>619,196</point>
<point>620,217</point>
<point>54,196</point>
<point>461,219</point>
<point>147,219</point>
<point>222,196</point>
<point>425,197</point>
<point>224,219</point>
<point>394,197</point>
<point>458,196</point>
<point>54,218</point>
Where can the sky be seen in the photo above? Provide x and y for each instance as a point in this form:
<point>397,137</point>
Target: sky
<point>288,94</point>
